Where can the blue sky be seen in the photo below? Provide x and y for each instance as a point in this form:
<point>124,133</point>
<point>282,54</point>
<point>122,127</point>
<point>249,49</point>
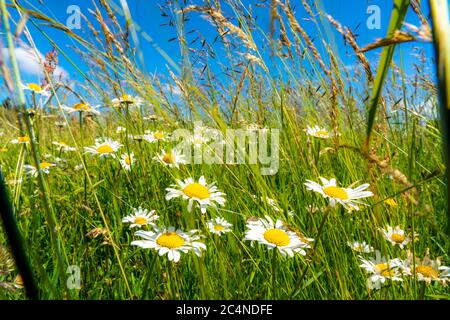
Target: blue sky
<point>147,15</point>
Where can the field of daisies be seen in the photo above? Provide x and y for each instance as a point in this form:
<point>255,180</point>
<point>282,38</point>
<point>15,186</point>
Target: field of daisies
<point>112,202</point>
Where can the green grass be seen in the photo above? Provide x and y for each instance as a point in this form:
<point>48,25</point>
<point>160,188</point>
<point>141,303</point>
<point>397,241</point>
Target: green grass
<point>404,163</point>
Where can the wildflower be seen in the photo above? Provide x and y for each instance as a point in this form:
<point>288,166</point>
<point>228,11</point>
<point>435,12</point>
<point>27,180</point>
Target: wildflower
<point>141,217</point>
<point>426,269</point>
<point>396,236</point>
<point>170,241</point>
<point>218,226</point>
<point>276,235</point>
<point>44,166</point>
<point>345,196</point>
<point>391,203</point>
<point>155,136</point>
<point>36,89</point>
<point>317,132</point>
<point>21,140</point>
<point>202,193</point>
<point>361,247</point>
<point>81,107</point>
<point>170,159</point>
<point>63,147</point>
<point>380,269</point>
<point>104,147</point>
<point>127,160</point>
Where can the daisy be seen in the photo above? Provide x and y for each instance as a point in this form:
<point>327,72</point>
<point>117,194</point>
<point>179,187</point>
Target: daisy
<point>317,132</point>
<point>345,196</point>
<point>380,269</point>
<point>127,99</point>
<point>426,270</point>
<point>36,89</point>
<point>205,195</point>
<point>170,159</point>
<point>104,147</point>
<point>361,247</point>
<point>218,226</point>
<point>170,241</point>
<point>396,236</point>
<point>141,217</point>
<point>127,160</point>
<point>276,235</point>
<point>81,107</point>
<point>63,147</point>
<point>155,136</point>
<point>21,140</point>
<point>44,166</point>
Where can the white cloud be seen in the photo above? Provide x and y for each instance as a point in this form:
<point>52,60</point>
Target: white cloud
<point>30,62</point>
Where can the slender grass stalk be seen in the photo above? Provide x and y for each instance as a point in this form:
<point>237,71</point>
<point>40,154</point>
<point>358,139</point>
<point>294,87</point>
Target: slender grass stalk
<point>441,36</point>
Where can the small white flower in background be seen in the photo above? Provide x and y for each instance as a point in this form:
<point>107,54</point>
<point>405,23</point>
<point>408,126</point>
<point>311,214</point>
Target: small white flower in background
<point>426,269</point>
<point>396,236</point>
<point>60,124</point>
<point>63,147</point>
<point>155,136</point>
<point>206,195</point>
<point>276,235</point>
<point>2,133</point>
<point>170,159</point>
<point>348,197</point>
<point>361,247</point>
<point>141,217</point>
<point>78,167</point>
<point>127,161</point>
<point>218,226</point>
<point>121,130</point>
<point>21,140</point>
<point>81,107</point>
<point>170,241</point>
<point>104,148</point>
<point>317,132</point>
<point>44,166</point>
<point>36,88</point>
<point>151,117</point>
<point>127,100</point>
<point>381,269</point>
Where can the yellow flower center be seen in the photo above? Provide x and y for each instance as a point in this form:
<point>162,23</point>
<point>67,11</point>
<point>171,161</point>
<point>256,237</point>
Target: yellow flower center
<point>196,190</point>
<point>397,237</point>
<point>158,135</point>
<point>277,237</point>
<point>322,133</point>
<point>427,271</point>
<point>140,220</point>
<point>127,98</point>
<point>24,139</point>
<point>170,240</point>
<point>383,269</point>
<point>218,227</point>
<point>45,165</point>
<point>81,107</point>
<point>3,149</point>
<point>104,149</point>
<point>336,192</point>
<point>128,160</point>
<point>34,86</point>
<point>168,158</point>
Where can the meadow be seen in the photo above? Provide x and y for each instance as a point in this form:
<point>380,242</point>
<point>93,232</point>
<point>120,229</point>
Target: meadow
<point>108,206</point>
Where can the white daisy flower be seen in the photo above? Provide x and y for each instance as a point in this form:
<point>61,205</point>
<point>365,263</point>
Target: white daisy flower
<point>63,147</point>
<point>218,226</point>
<point>127,99</point>
<point>170,241</point>
<point>276,235</point>
<point>44,166</point>
<point>170,159</point>
<point>345,196</point>
<point>361,247</point>
<point>318,132</point>
<point>205,195</point>
<point>141,217</point>
<point>155,136</point>
<point>104,147</point>
<point>36,88</point>
<point>127,160</point>
<point>426,269</point>
<point>380,269</point>
<point>81,107</point>
<point>21,140</point>
<point>396,236</point>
